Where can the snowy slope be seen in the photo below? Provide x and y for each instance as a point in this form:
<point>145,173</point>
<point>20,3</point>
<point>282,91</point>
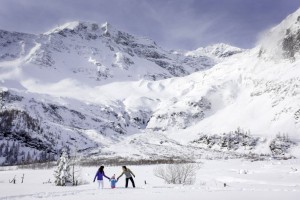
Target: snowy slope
<point>105,92</point>
<point>244,180</point>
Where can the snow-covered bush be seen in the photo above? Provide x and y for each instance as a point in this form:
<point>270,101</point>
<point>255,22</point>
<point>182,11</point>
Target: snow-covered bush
<point>177,173</point>
<point>62,173</point>
<point>229,141</point>
<point>281,144</point>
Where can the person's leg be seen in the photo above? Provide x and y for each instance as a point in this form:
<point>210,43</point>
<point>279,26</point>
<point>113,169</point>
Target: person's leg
<point>132,181</point>
<point>99,183</point>
<point>102,184</point>
<point>126,182</point>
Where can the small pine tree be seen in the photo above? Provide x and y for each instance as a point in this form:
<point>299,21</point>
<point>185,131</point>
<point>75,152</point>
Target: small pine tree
<point>62,173</point>
<point>1,149</point>
<point>28,158</point>
<point>42,156</point>
<point>16,153</point>
<point>10,156</point>
<point>6,150</point>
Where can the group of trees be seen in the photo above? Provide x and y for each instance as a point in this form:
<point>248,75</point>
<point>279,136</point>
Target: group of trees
<point>66,173</point>
<point>230,141</point>
<point>14,154</point>
<point>281,144</point>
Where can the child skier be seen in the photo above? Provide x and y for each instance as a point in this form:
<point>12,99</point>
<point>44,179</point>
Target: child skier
<point>113,181</point>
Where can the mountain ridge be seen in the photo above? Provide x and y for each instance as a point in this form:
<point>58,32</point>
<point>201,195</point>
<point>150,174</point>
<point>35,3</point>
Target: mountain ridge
<point>116,95</point>
<point>85,48</point>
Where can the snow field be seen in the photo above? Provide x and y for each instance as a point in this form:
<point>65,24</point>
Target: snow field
<point>244,179</point>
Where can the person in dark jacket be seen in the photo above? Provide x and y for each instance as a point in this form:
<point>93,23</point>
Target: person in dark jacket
<point>99,175</point>
<point>128,174</point>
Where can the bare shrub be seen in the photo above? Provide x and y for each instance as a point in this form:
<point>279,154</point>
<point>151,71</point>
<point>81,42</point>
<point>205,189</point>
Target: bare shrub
<point>177,173</point>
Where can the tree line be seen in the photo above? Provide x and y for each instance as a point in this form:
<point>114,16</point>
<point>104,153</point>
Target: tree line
<point>12,153</point>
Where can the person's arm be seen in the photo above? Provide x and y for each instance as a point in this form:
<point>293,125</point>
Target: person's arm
<point>106,176</point>
<point>95,176</point>
<point>120,176</point>
<point>131,173</point>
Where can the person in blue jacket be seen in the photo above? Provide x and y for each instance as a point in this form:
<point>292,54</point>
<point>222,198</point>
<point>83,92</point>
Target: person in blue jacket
<point>113,181</point>
<point>99,175</point>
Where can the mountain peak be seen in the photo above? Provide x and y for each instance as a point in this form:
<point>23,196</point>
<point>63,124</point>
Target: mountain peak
<point>69,26</point>
<point>220,50</point>
<point>283,40</point>
<point>106,26</point>
<point>108,29</point>
<point>82,26</point>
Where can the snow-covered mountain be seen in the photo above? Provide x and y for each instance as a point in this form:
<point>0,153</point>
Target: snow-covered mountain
<point>107,93</point>
<point>95,52</point>
<point>283,40</point>
<point>216,51</point>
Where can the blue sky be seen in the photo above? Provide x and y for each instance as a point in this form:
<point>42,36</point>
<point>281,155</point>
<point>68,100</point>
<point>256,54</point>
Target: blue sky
<point>174,24</point>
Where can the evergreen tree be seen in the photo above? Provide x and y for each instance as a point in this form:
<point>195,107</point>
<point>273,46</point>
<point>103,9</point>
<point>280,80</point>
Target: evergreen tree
<point>6,150</point>
<point>13,146</point>
<point>7,160</point>
<point>22,160</point>
<point>42,156</point>
<point>10,157</point>
<point>16,153</point>
<point>28,158</point>
<point>9,154</point>
<point>22,153</point>
<point>1,149</point>
<point>52,157</point>
<point>62,173</point>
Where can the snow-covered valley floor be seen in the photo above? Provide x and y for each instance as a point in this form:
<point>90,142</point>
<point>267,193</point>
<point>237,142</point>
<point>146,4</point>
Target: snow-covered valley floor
<point>244,179</point>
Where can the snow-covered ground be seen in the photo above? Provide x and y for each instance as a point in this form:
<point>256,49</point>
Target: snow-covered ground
<point>244,179</point>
